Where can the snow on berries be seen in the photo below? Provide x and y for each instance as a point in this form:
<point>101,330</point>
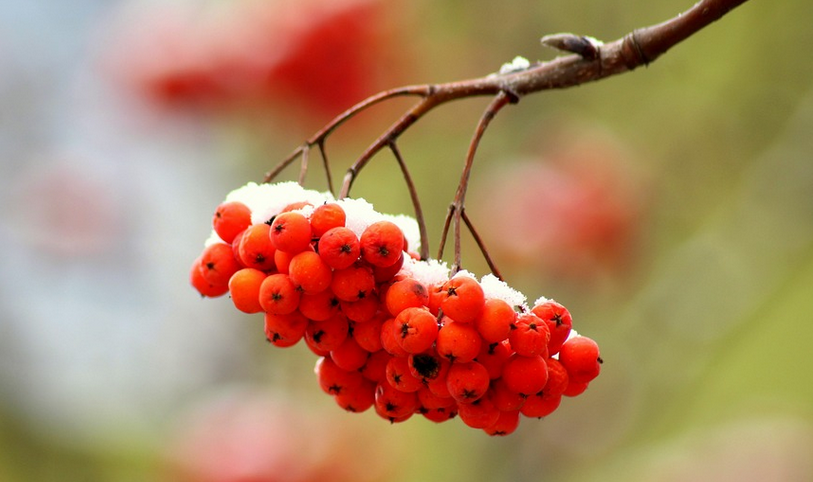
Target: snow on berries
<point>392,333</point>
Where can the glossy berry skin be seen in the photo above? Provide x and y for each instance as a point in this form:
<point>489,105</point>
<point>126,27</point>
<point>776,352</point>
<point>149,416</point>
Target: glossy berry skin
<point>285,330</point>
<point>290,232</point>
<point>428,366</point>
<point>204,287</point>
<point>357,399</point>
<point>479,414</point>
<point>326,217</point>
<point>278,295</point>
<point>339,248</point>
<point>393,404</point>
<point>417,329</point>
<point>530,336</point>
<point>244,289</point>
<point>580,357</point>
<point>218,263</point>
<point>458,342</point>
<point>405,293</point>
<point>496,321</point>
<point>467,382</point>
<point>525,375</point>
<point>353,283</point>
<point>382,244</point>
<point>255,250</point>
<point>309,273</point>
<point>400,377</point>
<point>506,423</point>
<point>229,219</point>
<point>329,334</point>
<point>462,299</point>
<point>334,380</point>
<point>559,322</point>
<point>349,355</point>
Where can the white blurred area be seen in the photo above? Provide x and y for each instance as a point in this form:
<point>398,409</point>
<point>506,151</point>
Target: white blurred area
<point>103,202</point>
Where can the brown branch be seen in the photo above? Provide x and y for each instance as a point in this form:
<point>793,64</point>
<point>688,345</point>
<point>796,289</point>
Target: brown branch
<point>640,47</point>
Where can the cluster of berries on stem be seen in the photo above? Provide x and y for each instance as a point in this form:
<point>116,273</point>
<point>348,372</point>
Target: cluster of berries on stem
<point>392,332</point>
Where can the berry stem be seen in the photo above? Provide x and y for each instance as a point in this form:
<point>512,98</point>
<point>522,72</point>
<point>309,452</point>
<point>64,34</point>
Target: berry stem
<point>303,167</point>
<point>458,204</point>
<point>416,202</point>
<point>482,246</point>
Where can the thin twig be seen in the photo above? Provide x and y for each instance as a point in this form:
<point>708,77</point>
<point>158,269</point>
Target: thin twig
<point>416,203</point>
<point>481,245</point>
<point>322,151</point>
<point>303,167</point>
<point>640,47</point>
<point>501,100</point>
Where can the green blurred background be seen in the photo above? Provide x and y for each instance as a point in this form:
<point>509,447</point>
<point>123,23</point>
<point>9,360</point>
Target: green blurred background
<point>670,209</point>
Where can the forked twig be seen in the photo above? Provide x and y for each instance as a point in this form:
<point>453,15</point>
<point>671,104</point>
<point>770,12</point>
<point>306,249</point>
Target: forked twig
<point>590,60</point>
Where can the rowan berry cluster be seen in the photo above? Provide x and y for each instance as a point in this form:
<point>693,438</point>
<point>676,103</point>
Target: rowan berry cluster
<point>392,333</point>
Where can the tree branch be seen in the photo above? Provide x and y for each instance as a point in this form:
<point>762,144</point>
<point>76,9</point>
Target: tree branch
<point>593,61</point>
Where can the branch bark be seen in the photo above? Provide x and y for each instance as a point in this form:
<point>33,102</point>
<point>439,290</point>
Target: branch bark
<point>593,62</point>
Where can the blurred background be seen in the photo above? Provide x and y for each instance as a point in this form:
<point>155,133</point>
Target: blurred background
<point>670,209</point>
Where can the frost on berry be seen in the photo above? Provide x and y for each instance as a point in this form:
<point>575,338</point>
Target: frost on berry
<point>394,333</point>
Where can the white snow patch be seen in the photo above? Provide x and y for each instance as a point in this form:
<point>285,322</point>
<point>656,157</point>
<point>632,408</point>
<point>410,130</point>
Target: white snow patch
<point>494,287</point>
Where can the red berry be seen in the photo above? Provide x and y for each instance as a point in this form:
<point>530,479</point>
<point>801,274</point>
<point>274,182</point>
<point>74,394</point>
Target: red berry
<point>559,322</point>
<point>285,330</point>
<point>382,244</point>
<point>218,264</point>
<point>319,306</point>
<point>357,399</point>
<point>458,342</point>
<point>399,375</point>
<point>428,366</point>
<point>278,295</point>
<point>493,356</point>
<point>349,355</point>
<point>205,288</point>
<point>309,273</point>
<point>526,375</point>
<point>462,299</point>
<point>339,248</point>
<point>362,310</point>
<point>479,414</point>
<point>530,336</point>
<point>244,288</point>
<point>333,379</point>
<point>290,232</point>
<point>580,357</point>
<point>416,329</point>
<point>394,405</point>
<point>405,293</point>
<point>467,382</point>
<point>506,424</point>
<point>325,218</point>
<point>496,321</point>
<point>503,397</point>
<point>353,283</point>
<point>256,250</point>
<point>231,218</point>
<point>328,334</point>
<point>537,406</point>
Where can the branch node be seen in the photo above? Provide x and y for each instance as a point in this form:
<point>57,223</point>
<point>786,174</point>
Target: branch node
<point>586,47</point>
<point>632,53</point>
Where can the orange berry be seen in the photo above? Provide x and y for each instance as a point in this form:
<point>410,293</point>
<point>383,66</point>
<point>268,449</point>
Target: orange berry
<point>382,243</point>
<point>218,264</point>
<point>405,293</point>
<point>309,273</point>
<point>229,219</point>
<point>278,295</point>
<point>463,299</point>
<point>327,217</point>
<point>244,288</point>
<point>256,250</point>
<point>290,232</point>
